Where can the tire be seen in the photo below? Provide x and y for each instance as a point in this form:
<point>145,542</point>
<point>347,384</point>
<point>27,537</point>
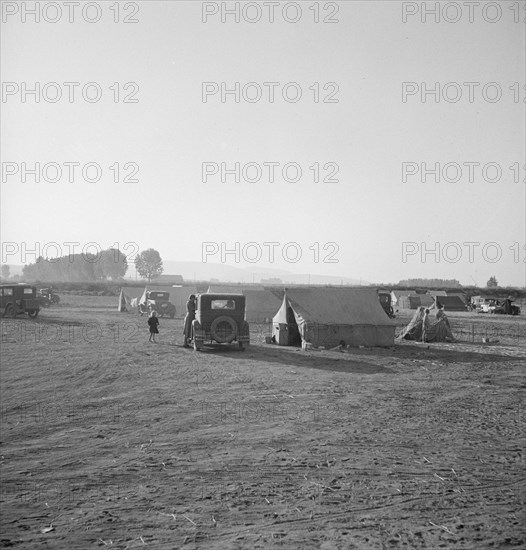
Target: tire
<point>223,329</point>
<point>10,311</point>
<point>33,313</point>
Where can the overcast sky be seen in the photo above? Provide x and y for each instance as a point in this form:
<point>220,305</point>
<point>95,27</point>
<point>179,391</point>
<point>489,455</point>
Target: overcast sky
<point>367,132</point>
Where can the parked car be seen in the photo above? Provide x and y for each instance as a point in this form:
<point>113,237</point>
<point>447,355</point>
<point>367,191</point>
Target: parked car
<point>487,306</point>
<point>502,309</point>
<point>47,297</point>
<point>385,302</point>
<point>159,301</point>
<point>19,299</point>
<point>220,318</point>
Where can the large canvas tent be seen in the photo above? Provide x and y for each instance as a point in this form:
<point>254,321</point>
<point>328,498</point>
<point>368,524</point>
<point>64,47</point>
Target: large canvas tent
<point>232,288</point>
<point>261,304</point>
<point>331,316</point>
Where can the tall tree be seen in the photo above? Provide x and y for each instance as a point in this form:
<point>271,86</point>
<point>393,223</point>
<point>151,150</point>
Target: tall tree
<point>111,264</point>
<point>492,282</point>
<point>6,271</point>
<point>149,264</point>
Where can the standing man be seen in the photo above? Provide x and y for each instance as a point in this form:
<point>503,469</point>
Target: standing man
<point>189,317</point>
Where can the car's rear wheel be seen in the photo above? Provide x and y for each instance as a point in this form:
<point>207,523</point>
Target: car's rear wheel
<point>33,313</point>
<point>10,311</point>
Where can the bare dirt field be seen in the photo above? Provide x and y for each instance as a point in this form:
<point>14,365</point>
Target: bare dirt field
<point>111,441</point>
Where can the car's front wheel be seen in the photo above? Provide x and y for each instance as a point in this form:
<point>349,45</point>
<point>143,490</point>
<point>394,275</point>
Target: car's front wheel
<point>33,313</point>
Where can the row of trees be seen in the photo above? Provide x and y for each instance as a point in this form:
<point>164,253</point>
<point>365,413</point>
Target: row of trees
<point>109,264</point>
<point>444,283</point>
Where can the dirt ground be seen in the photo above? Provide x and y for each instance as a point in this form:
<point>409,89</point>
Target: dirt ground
<point>110,441</point>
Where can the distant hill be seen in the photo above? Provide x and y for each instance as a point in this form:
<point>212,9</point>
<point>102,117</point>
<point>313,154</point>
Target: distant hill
<point>229,274</point>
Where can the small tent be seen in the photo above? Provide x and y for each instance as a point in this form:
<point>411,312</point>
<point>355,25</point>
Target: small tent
<point>331,316</point>
<point>414,302</point>
<point>450,303</point>
<point>461,295</point>
<point>399,297</point>
<point>124,302</point>
<point>437,329</point>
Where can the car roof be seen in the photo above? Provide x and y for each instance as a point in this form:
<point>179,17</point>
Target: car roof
<point>223,296</point>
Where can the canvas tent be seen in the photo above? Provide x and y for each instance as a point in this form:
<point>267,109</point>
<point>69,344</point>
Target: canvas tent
<point>461,295</point>
<point>329,316</point>
<point>450,303</point>
<point>139,300</point>
<point>438,328</point>
<point>414,302</point>
<point>179,296</point>
<point>260,305</point>
<point>232,288</point>
<point>124,302</point>
<point>399,296</point>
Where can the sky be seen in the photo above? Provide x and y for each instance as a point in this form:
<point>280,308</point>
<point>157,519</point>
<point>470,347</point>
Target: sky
<point>362,116</point>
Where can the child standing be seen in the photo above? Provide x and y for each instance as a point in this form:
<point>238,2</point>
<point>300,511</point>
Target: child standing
<point>153,323</point>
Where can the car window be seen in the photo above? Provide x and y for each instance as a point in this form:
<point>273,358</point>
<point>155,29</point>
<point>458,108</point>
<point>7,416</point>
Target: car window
<point>7,292</point>
<point>223,304</point>
<point>28,291</point>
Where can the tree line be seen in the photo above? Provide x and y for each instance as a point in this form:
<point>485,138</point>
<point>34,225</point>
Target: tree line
<point>108,264</point>
<point>445,283</point>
